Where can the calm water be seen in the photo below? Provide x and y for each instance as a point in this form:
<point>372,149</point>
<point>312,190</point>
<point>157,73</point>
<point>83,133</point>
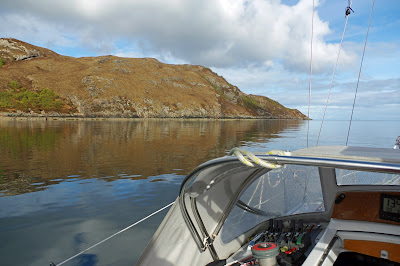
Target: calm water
<point>65,185</point>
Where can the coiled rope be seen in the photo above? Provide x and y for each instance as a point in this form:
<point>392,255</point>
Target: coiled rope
<point>117,233</point>
<point>359,72</point>
<point>253,159</point>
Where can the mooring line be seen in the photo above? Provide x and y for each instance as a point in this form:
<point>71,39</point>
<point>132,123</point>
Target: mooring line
<point>117,233</point>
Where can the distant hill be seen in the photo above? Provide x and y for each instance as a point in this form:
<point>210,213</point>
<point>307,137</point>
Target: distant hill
<point>35,81</point>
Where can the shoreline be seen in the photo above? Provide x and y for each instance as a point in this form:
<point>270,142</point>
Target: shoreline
<point>72,118</point>
<point>57,116</point>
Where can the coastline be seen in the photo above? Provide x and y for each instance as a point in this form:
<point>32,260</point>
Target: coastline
<point>57,116</point>
<point>83,118</point>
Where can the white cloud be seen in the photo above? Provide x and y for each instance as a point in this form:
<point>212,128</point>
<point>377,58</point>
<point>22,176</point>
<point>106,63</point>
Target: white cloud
<point>261,46</point>
<point>376,99</point>
<point>213,33</point>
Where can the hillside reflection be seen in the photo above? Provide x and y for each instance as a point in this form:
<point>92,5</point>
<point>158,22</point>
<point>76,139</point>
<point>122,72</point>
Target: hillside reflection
<point>37,153</point>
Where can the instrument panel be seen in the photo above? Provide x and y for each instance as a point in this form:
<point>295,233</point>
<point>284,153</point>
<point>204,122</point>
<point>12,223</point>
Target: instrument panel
<point>390,208</point>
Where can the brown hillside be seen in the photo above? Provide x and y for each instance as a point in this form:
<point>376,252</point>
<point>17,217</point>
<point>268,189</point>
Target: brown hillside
<point>110,86</point>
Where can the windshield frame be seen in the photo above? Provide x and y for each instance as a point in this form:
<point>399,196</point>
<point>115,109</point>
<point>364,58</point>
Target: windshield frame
<point>321,162</point>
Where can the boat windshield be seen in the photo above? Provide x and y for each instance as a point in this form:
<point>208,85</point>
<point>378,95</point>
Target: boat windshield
<point>350,177</point>
<point>292,189</point>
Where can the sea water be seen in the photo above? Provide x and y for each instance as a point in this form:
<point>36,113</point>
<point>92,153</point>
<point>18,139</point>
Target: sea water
<point>68,184</point>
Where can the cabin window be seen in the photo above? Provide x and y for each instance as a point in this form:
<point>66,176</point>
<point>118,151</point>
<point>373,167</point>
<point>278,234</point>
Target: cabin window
<point>351,177</point>
<point>292,189</point>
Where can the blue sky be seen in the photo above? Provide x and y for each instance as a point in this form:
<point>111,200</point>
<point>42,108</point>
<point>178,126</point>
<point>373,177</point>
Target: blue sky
<point>261,46</point>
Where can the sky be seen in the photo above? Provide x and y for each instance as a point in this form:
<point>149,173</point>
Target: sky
<point>261,46</point>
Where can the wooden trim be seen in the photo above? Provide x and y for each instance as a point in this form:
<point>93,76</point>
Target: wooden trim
<point>361,206</point>
<point>373,248</point>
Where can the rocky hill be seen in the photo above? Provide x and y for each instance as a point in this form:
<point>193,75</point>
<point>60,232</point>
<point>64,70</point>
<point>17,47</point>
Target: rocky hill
<point>38,81</point>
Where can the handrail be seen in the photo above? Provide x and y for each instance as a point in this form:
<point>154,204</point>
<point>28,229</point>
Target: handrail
<point>334,163</point>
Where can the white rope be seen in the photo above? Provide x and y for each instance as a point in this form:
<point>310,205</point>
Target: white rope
<point>117,233</point>
<point>359,72</point>
<point>333,75</point>
<point>254,159</point>
<point>309,88</point>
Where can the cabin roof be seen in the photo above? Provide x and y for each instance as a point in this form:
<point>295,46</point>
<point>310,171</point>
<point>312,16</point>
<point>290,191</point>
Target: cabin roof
<point>382,155</point>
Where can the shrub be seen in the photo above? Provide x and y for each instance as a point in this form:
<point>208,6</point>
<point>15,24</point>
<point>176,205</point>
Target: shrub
<point>49,100</point>
<point>1,62</point>
<point>6,99</point>
<point>23,99</point>
<point>250,102</point>
<point>14,85</point>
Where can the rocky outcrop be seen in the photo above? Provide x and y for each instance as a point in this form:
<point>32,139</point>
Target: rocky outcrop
<point>109,86</point>
<point>15,50</point>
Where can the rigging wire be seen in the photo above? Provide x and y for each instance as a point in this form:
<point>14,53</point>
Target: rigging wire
<point>309,87</point>
<point>359,72</point>
<point>117,233</point>
<point>334,70</point>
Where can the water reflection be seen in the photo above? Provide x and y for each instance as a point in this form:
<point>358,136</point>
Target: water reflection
<point>37,153</point>
<point>89,179</point>
<point>56,223</point>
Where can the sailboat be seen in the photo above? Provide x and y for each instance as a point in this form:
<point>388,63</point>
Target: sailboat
<point>322,205</point>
